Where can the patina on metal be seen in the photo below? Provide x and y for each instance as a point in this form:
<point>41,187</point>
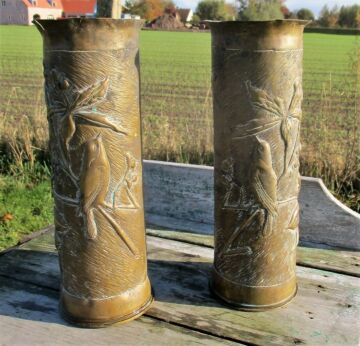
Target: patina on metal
<point>257,95</point>
<point>91,70</point>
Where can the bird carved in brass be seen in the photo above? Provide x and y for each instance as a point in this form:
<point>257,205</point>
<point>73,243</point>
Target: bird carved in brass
<point>94,185</point>
<point>263,189</point>
<point>264,184</point>
<point>94,182</point>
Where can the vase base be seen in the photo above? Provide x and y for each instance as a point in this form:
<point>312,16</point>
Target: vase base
<point>88,313</point>
<point>252,298</point>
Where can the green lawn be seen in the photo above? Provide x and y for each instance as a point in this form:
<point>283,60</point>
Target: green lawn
<point>172,63</point>
<point>186,56</point>
<point>29,207</point>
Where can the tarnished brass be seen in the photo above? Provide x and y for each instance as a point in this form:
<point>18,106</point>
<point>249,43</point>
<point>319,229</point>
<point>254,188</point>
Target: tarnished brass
<point>91,70</point>
<point>257,91</point>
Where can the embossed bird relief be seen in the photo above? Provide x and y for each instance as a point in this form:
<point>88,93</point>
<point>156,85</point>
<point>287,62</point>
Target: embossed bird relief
<point>94,186</point>
<point>264,185</point>
<point>94,182</point>
<point>262,191</point>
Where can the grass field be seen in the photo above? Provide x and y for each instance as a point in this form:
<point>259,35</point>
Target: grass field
<point>24,208</point>
<point>172,63</point>
<point>177,103</point>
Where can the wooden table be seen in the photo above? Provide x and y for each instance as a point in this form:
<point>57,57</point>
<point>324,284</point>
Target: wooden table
<point>325,311</point>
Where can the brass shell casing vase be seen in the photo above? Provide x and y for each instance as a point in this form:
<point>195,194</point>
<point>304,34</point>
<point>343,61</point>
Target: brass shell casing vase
<point>257,95</point>
<point>91,70</point>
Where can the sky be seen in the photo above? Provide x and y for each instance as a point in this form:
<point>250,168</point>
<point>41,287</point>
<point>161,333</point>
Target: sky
<point>314,5</point>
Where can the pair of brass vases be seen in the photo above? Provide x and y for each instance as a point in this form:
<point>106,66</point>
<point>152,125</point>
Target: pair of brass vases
<point>91,69</point>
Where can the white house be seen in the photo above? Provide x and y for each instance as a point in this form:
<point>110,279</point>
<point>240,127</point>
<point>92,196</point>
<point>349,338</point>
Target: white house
<point>24,11</point>
<point>186,14</point>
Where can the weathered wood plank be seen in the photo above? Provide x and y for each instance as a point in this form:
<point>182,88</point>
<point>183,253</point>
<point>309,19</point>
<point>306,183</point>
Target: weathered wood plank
<point>326,309</point>
<point>44,243</point>
<point>181,196</point>
<point>29,316</point>
<point>342,262</point>
<point>29,237</point>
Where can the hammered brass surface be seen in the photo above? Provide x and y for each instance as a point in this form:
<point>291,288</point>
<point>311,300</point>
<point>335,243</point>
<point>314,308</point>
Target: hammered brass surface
<point>91,69</point>
<point>257,95</point>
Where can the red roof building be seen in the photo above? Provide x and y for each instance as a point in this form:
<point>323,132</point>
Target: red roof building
<point>79,8</point>
<point>43,4</point>
<point>23,12</point>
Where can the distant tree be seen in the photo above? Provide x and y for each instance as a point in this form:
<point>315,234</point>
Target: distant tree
<point>231,11</point>
<point>328,18</point>
<point>136,7</point>
<point>148,9</point>
<point>155,8</point>
<point>286,12</point>
<point>211,10</point>
<point>195,20</point>
<point>260,9</point>
<point>305,14</point>
<point>349,16</point>
<point>169,6</point>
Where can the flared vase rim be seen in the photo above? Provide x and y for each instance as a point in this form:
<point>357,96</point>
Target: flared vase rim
<point>249,22</point>
<point>44,24</point>
<point>88,19</point>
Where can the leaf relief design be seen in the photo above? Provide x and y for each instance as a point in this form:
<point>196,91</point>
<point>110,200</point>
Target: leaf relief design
<point>276,113</point>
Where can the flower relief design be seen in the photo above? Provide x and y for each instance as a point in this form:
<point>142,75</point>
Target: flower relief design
<point>67,105</point>
<point>276,112</point>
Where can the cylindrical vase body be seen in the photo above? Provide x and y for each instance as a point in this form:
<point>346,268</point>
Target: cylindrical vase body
<point>91,70</point>
<point>257,95</point>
